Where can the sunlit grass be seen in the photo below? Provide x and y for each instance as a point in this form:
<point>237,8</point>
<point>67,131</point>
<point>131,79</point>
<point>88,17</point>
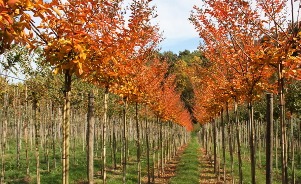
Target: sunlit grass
<point>189,166</point>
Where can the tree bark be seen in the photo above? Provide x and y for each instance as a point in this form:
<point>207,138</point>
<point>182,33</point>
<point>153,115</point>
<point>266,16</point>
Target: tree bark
<point>3,137</point>
<point>251,142</point>
<point>223,144</point>
<point>90,139</point>
<point>37,137</point>
<point>293,180</point>
<point>282,123</point>
<point>214,146</point>
<point>238,144</point>
<point>161,148</point>
<point>124,141</point>
<point>138,144</point>
<point>104,135</point>
<point>269,140</point>
<point>66,129</point>
<point>114,146</point>
<point>230,131</point>
<point>147,151</point>
<point>26,132</point>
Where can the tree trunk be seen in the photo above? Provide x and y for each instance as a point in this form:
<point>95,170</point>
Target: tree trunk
<point>138,145</point>
<point>37,137</point>
<point>114,146</point>
<point>3,136</point>
<point>230,131</point>
<point>18,136</point>
<point>147,151</point>
<point>124,141</point>
<point>251,142</point>
<point>161,148</point>
<point>276,144</point>
<point>66,129</point>
<point>223,144</point>
<point>269,140</point>
<point>282,123</point>
<point>26,132</point>
<point>53,127</point>
<point>154,161</point>
<point>238,144</point>
<point>104,135</point>
<point>90,139</point>
<point>215,146</point>
<point>293,152</point>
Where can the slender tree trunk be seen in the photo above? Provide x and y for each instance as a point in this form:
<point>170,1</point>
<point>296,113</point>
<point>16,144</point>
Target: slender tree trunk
<point>223,144</point>
<point>124,141</point>
<point>218,158</point>
<point>66,129</point>
<point>114,146</point>
<point>282,123</point>
<point>3,137</point>
<point>90,139</point>
<point>214,146</point>
<point>48,125</point>
<point>18,117</point>
<point>53,137</point>
<point>269,140</point>
<point>230,135</point>
<point>276,144</point>
<point>104,137</point>
<point>147,152</point>
<point>238,143</point>
<point>37,137</point>
<point>161,148</point>
<point>251,142</point>
<point>293,152</point>
<point>154,161</point>
<point>26,132</point>
<point>138,144</point>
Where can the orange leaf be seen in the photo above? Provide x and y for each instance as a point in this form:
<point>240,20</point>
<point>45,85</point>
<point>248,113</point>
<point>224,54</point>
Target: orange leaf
<point>11,2</point>
<point>57,11</point>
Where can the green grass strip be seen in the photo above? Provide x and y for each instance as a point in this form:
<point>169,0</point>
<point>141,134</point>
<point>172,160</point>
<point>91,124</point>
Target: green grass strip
<point>189,166</point>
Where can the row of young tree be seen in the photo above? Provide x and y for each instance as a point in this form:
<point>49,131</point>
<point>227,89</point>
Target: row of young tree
<point>251,48</point>
<point>101,44</point>
<point>32,134</point>
<point>248,49</point>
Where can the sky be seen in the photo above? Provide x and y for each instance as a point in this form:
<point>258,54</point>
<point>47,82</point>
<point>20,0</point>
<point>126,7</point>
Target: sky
<point>173,21</point>
<point>178,32</point>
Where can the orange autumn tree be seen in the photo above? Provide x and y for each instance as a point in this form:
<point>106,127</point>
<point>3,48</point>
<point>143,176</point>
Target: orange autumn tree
<point>64,32</point>
<point>232,42</point>
<point>167,105</point>
<point>132,44</point>
<point>252,51</point>
<point>88,39</point>
<point>282,49</point>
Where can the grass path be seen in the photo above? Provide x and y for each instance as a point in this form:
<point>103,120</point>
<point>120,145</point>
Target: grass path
<point>194,167</point>
<point>188,169</point>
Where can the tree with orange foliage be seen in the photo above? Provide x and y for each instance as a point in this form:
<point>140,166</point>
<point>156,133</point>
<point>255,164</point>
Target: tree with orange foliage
<point>140,42</point>
<point>234,44</point>
<point>67,45</point>
<point>91,40</point>
<point>237,37</point>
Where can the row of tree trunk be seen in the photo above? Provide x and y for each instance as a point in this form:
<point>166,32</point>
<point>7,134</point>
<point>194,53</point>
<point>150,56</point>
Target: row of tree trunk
<point>36,126</point>
<point>257,142</point>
